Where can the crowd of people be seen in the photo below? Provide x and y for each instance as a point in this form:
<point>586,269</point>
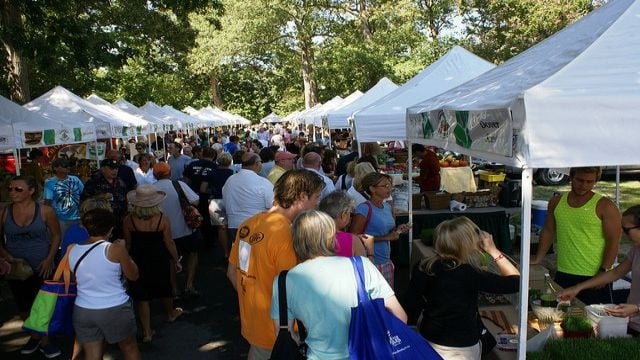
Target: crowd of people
<point>272,201</point>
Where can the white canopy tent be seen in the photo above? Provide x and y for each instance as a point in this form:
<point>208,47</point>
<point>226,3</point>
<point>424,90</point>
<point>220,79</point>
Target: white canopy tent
<point>157,111</point>
<point>292,117</point>
<point>192,122</point>
<point>61,104</point>
<point>271,119</point>
<point>571,100</point>
<point>209,117</point>
<point>313,116</point>
<point>21,128</point>
<point>384,120</point>
<point>338,118</point>
<point>143,126</point>
<point>160,124</point>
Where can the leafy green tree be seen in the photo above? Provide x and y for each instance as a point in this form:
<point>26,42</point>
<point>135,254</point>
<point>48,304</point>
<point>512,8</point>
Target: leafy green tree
<point>501,29</point>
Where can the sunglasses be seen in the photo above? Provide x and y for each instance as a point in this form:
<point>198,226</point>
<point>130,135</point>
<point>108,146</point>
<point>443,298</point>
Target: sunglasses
<point>15,188</point>
<point>626,230</point>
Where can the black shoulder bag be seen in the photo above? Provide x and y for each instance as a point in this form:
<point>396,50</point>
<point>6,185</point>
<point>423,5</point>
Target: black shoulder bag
<point>285,348</point>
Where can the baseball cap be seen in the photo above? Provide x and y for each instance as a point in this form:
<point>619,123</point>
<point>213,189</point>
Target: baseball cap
<point>284,155</point>
<point>110,163</point>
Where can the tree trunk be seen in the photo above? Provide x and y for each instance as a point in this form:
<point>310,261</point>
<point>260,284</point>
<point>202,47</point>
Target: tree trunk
<point>363,15</point>
<point>310,86</point>
<point>14,61</point>
<point>214,87</point>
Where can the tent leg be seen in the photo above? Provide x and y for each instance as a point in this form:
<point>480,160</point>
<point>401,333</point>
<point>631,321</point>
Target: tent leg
<point>525,253</point>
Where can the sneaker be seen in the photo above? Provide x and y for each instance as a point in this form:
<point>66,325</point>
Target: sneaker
<point>50,351</point>
<point>30,347</point>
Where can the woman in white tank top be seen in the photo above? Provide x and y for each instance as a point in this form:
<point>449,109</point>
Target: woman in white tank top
<point>102,310</point>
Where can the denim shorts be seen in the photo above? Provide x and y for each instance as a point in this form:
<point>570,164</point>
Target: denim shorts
<point>112,324</point>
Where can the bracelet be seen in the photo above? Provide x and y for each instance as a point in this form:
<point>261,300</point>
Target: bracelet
<point>370,255</point>
<point>499,257</point>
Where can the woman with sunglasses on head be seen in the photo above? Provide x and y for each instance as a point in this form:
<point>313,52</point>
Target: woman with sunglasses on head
<point>631,228</point>
<point>32,233</point>
<point>375,218</point>
<point>444,288</point>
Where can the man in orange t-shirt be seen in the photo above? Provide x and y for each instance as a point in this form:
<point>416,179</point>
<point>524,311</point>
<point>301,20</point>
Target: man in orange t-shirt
<point>262,249</point>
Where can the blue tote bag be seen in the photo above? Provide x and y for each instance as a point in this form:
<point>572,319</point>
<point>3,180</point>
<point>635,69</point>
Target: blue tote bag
<point>375,333</point>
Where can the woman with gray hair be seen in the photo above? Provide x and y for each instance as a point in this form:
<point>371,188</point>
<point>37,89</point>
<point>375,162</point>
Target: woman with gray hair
<point>322,289</point>
<point>340,207</point>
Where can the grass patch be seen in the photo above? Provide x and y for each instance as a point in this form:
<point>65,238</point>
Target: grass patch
<point>629,191</point>
<point>588,349</point>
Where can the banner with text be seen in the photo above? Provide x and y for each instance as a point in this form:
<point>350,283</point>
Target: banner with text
<point>488,131</point>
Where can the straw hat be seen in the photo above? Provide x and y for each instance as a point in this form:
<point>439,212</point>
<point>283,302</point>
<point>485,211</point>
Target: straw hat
<point>145,196</point>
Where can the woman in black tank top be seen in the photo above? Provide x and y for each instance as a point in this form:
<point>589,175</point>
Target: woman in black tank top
<point>148,236</point>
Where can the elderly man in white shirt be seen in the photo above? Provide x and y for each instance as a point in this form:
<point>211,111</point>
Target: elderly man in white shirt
<point>313,161</point>
<point>246,193</point>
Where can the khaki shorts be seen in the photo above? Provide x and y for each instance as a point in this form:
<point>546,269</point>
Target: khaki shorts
<point>112,324</point>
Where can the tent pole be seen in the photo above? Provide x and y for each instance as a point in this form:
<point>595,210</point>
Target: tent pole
<point>618,186</point>
<point>410,199</point>
<point>16,157</point>
<point>525,253</point>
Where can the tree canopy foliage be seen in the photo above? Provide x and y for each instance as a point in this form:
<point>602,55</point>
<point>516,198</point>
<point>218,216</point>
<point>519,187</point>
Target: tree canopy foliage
<point>253,57</point>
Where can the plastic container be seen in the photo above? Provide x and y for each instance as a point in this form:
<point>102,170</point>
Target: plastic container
<point>538,213</point>
<point>491,176</point>
<point>605,324</point>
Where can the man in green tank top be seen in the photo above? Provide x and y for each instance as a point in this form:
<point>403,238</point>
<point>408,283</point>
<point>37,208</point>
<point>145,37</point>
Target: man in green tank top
<point>586,226</point>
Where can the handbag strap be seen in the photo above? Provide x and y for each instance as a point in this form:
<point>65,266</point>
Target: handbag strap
<point>358,270</point>
<point>369,212</point>
<point>282,300</point>
<point>75,268</point>
<point>183,198</point>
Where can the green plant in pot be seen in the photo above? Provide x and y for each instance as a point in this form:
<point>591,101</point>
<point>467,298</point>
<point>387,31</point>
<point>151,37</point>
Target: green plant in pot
<point>576,326</point>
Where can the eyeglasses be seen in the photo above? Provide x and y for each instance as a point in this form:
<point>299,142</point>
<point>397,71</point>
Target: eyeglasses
<point>386,186</point>
<point>626,230</point>
<point>15,188</point>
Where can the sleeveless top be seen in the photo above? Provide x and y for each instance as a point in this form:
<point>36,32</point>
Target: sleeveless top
<point>344,247</point>
<point>30,242</point>
<point>580,239</point>
<point>99,279</point>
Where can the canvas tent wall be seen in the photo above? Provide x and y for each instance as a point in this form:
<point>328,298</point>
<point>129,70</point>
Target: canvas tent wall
<point>339,117</point>
<point>384,120</point>
<point>313,116</point>
<point>571,100</point>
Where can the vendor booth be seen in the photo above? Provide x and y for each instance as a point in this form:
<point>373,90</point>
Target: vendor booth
<point>571,100</point>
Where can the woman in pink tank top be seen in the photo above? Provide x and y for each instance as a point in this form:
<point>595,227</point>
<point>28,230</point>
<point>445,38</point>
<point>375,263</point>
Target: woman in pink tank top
<point>339,206</point>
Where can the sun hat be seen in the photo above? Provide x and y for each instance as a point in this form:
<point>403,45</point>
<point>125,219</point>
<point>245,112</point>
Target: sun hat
<point>145,196</point>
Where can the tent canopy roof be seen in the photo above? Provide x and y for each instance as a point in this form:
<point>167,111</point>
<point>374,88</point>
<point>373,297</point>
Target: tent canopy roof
<point>338,118</point>
<point>579,86</point>
<point>454,68</point>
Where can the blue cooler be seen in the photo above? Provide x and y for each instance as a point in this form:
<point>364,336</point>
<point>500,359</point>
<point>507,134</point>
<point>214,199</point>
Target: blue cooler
<point>538,214</point>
